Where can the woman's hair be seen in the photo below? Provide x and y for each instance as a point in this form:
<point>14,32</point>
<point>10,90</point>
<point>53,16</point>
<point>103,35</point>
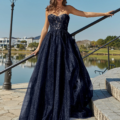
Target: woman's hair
<point>53,4</point>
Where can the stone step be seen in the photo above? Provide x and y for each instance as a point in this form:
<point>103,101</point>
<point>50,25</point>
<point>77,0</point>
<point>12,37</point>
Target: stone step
<point>92,118</point>
<point>113,87</point>
<point>104,105</point>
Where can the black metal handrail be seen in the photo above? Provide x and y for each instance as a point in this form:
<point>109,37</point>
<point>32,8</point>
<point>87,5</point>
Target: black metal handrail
<point>100,71</point>
<point>104,70</point>
<point>74,33</point>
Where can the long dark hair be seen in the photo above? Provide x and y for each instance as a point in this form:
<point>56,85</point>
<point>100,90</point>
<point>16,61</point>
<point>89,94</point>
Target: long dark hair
<point>53,4</point>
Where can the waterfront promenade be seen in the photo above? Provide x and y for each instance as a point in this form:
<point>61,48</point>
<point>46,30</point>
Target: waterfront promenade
<point>11,100</point>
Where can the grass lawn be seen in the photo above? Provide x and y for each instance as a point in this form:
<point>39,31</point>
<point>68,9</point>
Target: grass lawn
<point>104,50</point>
<point>15,51</point>
<point>105,57</point>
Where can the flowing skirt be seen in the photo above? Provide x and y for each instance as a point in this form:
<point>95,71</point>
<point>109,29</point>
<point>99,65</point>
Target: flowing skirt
<point>60,86</point>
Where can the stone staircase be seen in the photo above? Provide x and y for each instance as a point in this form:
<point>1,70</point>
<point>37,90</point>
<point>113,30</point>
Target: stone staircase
<point>92,118</point>
<point>106,95</point>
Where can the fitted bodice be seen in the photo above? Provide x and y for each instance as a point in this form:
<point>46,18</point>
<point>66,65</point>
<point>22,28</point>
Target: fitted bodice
<point>58,22</point>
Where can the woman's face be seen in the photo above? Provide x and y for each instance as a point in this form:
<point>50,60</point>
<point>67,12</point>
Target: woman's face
<point>59,1</point>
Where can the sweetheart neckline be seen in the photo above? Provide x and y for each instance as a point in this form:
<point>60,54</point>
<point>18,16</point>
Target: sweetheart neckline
<point>59,15</point>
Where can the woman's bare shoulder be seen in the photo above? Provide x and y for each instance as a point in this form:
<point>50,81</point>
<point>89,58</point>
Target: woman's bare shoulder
<point>69,8</point>
<point>46,12</point>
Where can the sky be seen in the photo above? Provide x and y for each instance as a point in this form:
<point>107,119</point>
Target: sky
<point>29,18</point>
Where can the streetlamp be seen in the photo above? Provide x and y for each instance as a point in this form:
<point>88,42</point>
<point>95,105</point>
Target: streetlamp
<point>7,79</point>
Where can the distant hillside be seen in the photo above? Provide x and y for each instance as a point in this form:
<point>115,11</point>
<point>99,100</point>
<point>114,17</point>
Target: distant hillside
<point>83,42</point>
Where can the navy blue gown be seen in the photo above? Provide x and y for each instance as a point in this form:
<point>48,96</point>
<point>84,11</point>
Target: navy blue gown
<point>60,87</point>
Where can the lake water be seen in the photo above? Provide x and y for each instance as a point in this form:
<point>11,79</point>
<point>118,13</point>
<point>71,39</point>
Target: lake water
<point>22,72</point>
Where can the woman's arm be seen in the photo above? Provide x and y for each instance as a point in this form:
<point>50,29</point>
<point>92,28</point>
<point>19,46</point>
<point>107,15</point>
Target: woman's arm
<point>43,33</point>
<point>45,29</point>
<point>77,12</point>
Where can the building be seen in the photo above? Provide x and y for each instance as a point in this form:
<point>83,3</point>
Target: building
<point>4,41</point>
<point>83,42</point>
<point>32,39</point>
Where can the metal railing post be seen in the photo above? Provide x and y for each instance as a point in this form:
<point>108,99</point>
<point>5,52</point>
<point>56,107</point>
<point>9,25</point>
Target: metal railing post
<point>7,79</point>
<point>108,58</point>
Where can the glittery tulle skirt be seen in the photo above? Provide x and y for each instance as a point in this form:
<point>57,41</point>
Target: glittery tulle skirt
<point>60,87</point>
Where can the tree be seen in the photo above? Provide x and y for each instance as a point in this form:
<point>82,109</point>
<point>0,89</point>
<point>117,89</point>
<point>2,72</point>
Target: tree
<point>93,43</point>
<point>23,41</point>
<point>5,47</point>
<point>30,45</point>
<point>21,46</point>
<point>33,45</point>
<point>18,45</point>
<point>109,38</point>
<point>100,42</point>
<point>82,47</point>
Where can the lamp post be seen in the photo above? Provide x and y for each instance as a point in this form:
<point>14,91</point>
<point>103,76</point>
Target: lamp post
<point>7,79</point>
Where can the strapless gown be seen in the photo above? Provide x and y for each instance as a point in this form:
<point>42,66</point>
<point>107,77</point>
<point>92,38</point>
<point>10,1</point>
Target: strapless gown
<point>60,87</point>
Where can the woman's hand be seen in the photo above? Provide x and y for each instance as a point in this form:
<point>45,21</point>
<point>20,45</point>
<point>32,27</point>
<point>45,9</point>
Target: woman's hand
<point>35,52</point>
<point>109,13</point>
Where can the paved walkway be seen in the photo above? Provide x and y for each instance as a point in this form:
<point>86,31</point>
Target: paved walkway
<point>11,101</point>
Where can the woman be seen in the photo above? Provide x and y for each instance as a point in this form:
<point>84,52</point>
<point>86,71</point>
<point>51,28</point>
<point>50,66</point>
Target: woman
<point>60,87</point>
